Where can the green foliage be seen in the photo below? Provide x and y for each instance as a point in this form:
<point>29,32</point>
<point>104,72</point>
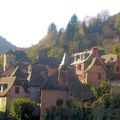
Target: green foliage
<point>69,103</point>
<point>116,49</point>
<point>3,108</point>
<point>22,109</point>
<point>115,102</point>
<point>52,28</point>
<point>73,47</point>
<point>71,27</point>
<point>2,116</point>
<point>78,36</point>
<point>33,52</point>
<point>1,59</point>
<point>59,102</point>
<point>101,92</point>
<point>117,22</point>
<point>56,52</point>
<point>43,52</point>
<point>70,113</point>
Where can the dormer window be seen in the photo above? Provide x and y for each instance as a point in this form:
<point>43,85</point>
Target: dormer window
<point>3,87</point>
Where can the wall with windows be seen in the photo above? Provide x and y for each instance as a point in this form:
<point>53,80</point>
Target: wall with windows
<point>15,92</point>
<point>96,74</point>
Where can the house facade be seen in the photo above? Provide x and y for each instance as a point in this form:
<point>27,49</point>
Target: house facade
<point>10,89</point>
<point>89,67</point>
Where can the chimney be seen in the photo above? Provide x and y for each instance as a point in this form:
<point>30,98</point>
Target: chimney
<point>95,52</point>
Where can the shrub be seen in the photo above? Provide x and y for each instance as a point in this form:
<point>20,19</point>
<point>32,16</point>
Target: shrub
<point>59,102</point>
<point>22,109</point>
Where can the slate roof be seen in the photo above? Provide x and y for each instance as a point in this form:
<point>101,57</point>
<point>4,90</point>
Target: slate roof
<point>51,82</point>
<point>51,61</point>
<point>37,74</point>
<point>91,64</point>
<point>21,55</point>
<point>19,72</point>
<point>77,89</point>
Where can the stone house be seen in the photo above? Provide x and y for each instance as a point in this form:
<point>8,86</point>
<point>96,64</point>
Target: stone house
<point>14,86</point>
<point>45,81</point>
<point>89,66</point>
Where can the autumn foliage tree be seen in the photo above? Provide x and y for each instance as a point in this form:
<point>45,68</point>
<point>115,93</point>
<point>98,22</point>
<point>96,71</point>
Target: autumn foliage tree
<point>101,92</point>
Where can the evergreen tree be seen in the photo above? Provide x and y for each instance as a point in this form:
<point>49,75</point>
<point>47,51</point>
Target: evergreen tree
<point>52,29</point>
<point>71,27</point>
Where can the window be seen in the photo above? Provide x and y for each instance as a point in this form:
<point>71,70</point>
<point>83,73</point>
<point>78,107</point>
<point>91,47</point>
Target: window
<point>117,69</point>
<point>79,67</point>
<point>17,90</point>
<point>99,76</point>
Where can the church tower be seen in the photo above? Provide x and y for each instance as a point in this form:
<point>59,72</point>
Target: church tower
<point>63,70</point>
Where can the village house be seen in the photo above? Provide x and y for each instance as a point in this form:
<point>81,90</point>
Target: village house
<point>89,66</point>
<point>14,86</point>
<point>46,80</point>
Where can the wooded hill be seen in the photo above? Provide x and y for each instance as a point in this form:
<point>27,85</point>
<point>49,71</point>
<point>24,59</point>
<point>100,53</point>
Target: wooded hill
<point>5,45</point>
<point>102,30</point>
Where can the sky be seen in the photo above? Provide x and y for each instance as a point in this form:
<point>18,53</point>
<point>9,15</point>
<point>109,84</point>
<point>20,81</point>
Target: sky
<point>25,22</point>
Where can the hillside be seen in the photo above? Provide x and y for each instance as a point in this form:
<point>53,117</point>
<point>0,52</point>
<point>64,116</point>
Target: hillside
<point>5,45</point>
<point>102,30</point>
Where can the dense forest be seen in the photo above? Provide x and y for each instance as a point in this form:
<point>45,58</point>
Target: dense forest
<point>102,30</point>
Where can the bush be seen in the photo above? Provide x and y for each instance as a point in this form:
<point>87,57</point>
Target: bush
<point>59,102</point>
<point>69,103</point>
<point>22,109</point>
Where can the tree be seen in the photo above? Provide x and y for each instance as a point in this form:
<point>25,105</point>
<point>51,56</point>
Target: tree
<point>117,22</point>
<point>71,27</point>
<point>116,49</point>
<point>52,28</point>
<point>69,113</point>
<point>56,52</point>
<point>103,15</point>
<point>69,103</point>
<point>101,92</point>
<point>73,47</point>
<point>22,109</point>
<point>33,52</point>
